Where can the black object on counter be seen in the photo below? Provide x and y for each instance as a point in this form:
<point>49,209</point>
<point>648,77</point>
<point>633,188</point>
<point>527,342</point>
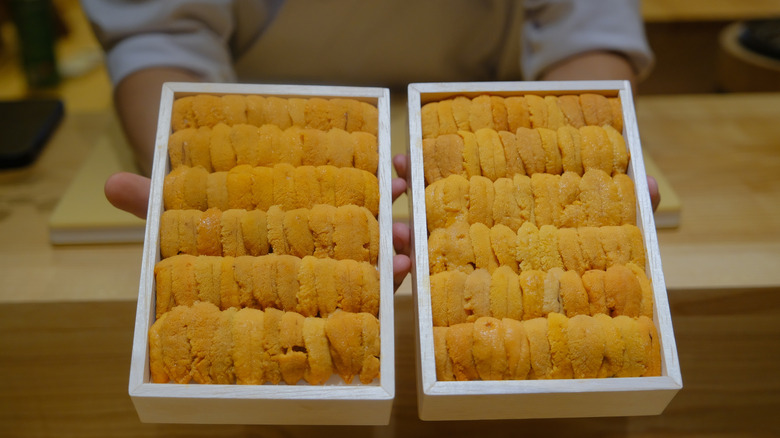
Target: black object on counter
<point>762,36</point>
<point>25,127</point>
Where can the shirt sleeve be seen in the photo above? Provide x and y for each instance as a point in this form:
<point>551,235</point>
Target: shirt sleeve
<point>192,35</point>
<point>558,29</point>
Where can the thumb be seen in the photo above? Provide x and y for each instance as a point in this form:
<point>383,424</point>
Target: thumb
<point>129,192</point>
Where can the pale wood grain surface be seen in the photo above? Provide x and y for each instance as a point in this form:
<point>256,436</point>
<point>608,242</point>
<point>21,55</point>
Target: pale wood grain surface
<point>83,215</point>
<point>66,365</point>
<point>65,369</point>
<point>722,155</point>
<point>31,268</point>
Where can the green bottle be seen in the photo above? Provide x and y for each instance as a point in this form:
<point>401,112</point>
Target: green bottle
<point>35,26</point>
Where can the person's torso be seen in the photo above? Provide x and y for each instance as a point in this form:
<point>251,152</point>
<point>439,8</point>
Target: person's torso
<point>387,43</point>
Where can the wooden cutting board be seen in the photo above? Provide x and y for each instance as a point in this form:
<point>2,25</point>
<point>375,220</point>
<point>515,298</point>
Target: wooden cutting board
<point>667,215</point>
<point>83,215</point>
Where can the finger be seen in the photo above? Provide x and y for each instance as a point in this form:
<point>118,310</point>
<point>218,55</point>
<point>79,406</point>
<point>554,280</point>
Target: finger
<point>129,192</point>
<point>399,187</point>
<point>655,194</point>
<point>401,164</point>
<point>402,237</point>
<point>402,264</point>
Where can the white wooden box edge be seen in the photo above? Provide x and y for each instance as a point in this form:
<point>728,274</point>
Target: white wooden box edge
<point>440,400</point>
<point>264,404</point>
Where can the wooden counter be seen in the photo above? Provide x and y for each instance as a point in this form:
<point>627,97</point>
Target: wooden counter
<point>66,313</point>
<point>721,153</point>
<point>65,368</point>
<point>708,10</point>
<point>34,270</point>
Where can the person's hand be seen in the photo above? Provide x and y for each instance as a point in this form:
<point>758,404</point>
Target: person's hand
<point>402,235</point>
<point>130,192</point>
<point>655,195</point>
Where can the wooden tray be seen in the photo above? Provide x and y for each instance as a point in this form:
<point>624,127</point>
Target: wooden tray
<point>473,400</point>
<point>332,403</point>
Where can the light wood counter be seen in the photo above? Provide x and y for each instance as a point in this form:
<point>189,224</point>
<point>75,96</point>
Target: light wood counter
<point>721,153</point>
<point>65,368</point>
<point>34,270</point>
<point>67,313</point>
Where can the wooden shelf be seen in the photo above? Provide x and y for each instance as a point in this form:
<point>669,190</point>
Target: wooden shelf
<point>708,10</point>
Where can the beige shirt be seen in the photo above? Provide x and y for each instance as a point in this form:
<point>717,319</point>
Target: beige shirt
<point>366,42</point>
<point>388,43</point>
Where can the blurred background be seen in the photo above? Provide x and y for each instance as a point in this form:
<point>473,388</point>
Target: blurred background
<point>701,46</point>
<point>80,80</point>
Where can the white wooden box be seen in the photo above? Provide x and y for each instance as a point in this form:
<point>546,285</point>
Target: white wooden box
<point>332,403</point>
<point>513,399</point>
